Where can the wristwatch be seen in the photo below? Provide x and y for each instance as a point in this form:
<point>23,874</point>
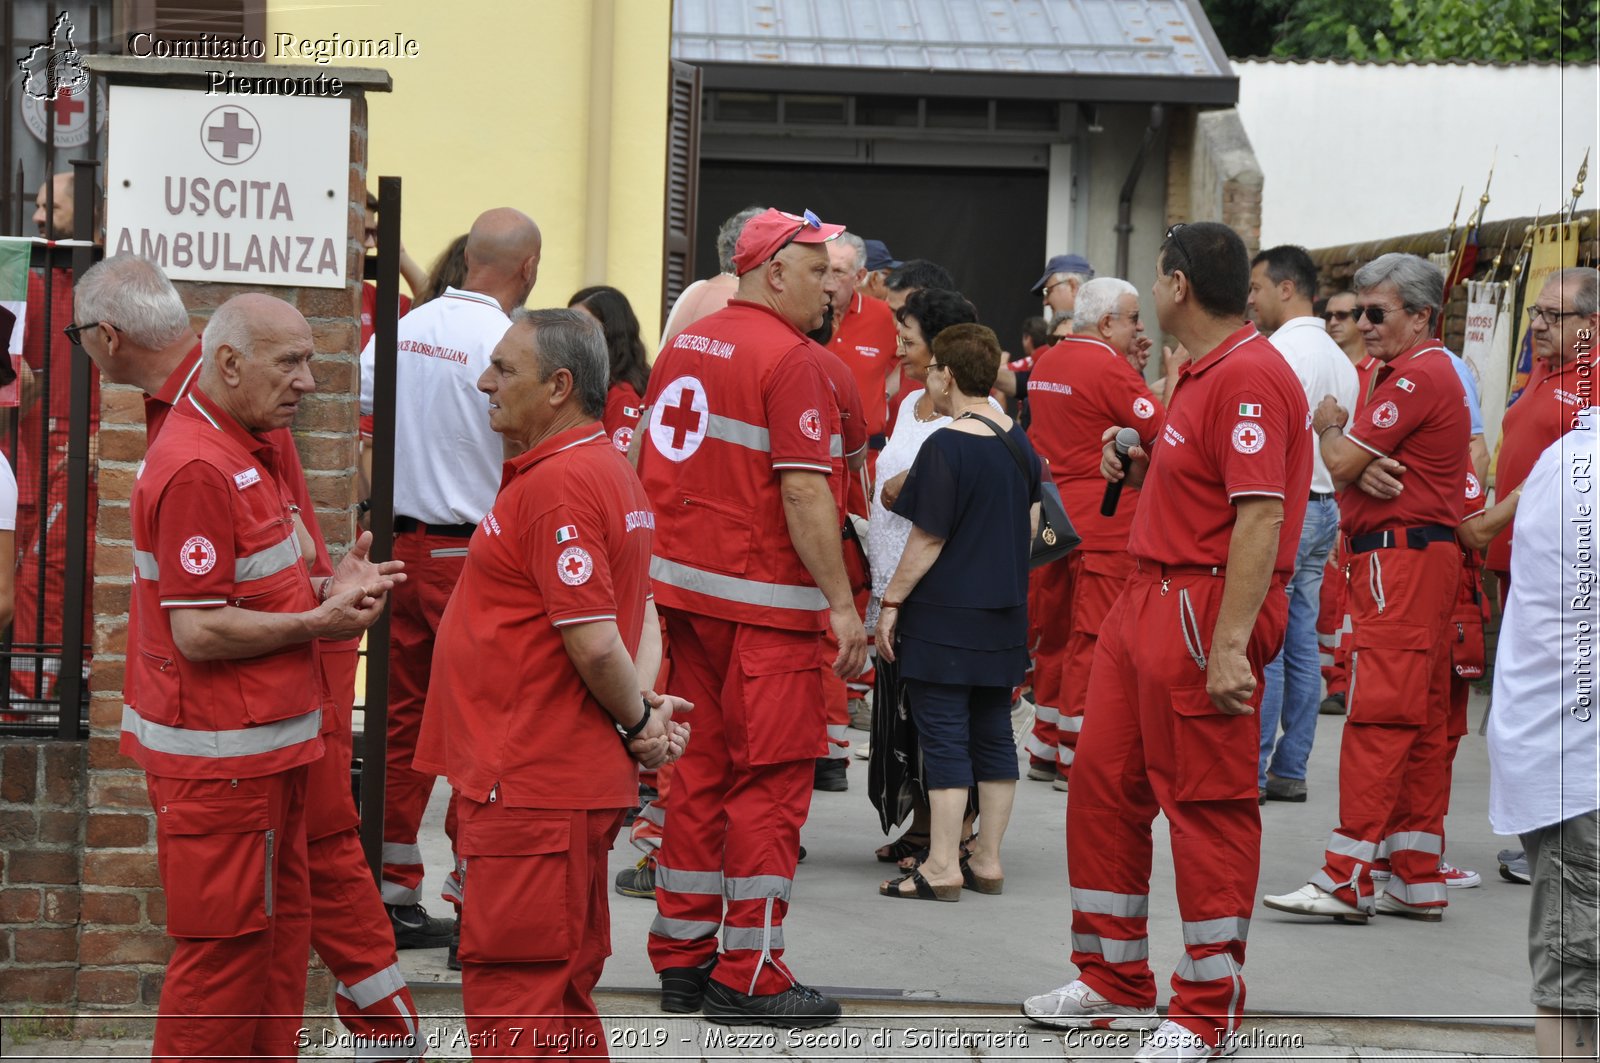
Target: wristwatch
<point>630,733</point>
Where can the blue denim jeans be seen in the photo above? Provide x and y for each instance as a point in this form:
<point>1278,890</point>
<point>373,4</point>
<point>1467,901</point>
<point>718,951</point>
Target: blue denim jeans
<point>1293,681</point>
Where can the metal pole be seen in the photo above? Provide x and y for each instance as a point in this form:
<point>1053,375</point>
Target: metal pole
<point>386,321</point>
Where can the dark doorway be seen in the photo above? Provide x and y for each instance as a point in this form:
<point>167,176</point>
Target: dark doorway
<point>985,226</point>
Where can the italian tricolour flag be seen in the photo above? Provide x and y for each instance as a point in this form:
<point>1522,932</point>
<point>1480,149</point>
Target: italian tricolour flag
<point>13,304</point>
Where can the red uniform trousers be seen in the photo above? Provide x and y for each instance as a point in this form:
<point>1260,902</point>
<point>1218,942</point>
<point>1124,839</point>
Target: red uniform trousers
<point>535,928</point>
<point>740,795</point>
<point>836,692</point>
<point>1049,623</point>
<point>232,856</point>
<point>1333,625</point>
<point>433,564</point>
<point>349,928</point>
<point>646,831</point>
<point>1392,764</point>
<point>1157,743</point>
<point>41,541</point>
<point>1097,581</point>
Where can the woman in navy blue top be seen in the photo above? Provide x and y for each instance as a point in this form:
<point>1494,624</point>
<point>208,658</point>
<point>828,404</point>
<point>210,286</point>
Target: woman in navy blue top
<point>955,613</point>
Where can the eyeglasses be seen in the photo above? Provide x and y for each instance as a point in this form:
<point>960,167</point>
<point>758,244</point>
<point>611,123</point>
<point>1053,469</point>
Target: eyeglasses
<point>1133,317</point>
<point>807,220</point>
<point>937,365</point>
<point>1375,314</point>
<point>1048,288</point>
<point>75,332</point>
<point>1177,241</point>
<point>1337,315</point>
<point>1553,318</point>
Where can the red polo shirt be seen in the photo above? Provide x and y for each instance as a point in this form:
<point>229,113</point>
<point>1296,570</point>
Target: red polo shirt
<point>865,342</point>
<point>1238,426</point>
<point>1416,413</point>
<point>621,414</point>
<point>848,493</point>
<point>1541,415</point>
<point>566,542</point>
<point>1078,389</point>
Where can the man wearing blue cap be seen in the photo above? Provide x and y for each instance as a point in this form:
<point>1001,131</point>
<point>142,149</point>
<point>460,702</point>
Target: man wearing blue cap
<point>1058,288</point>
<point>879,263</point>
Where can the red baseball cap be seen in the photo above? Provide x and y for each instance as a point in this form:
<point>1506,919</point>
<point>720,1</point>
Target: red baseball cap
<point>772,230</point>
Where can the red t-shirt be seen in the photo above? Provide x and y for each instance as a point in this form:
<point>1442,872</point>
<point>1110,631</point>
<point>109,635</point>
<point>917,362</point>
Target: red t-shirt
<point>622,414</point>
<point>566,542</point>
<point>1078,389</point>
<point>1416,413</point>
<point>847,489</point>
<point>1238,426</point>
<point>1541,415</point>
<point>865,342</point>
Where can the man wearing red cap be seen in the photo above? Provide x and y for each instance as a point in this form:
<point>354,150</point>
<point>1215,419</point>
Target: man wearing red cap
<point>748,572</point>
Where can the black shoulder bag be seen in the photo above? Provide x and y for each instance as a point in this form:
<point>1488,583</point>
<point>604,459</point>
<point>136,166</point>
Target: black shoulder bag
<point>1056,535</point>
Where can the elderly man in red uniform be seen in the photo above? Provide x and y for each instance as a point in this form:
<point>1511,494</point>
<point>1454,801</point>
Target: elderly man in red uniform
<point>1078,388</point>
<point>1405,566</point>
<point>544,650</point>
<point>1177,673</point>
<point>749,571</point>
<point>132,323</point>
<point>225,694</point>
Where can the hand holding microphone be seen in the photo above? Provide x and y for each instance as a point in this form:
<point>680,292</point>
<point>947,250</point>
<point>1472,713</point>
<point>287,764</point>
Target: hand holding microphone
<point>1118,459</point>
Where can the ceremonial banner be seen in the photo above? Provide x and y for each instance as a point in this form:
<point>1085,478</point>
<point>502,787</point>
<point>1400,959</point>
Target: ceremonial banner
<point>1487,350</point>
<point>1554,247</point>
<point>14,252</point>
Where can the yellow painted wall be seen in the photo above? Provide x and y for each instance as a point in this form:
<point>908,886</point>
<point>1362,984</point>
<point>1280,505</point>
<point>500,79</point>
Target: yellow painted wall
<point>501,107</point>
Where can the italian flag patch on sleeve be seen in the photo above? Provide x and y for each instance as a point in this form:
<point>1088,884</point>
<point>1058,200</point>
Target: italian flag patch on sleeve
<point>1249,409</point>
<point>566,533</point>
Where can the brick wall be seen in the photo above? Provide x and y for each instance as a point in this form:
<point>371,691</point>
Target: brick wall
<point>1213,175</point>
<point>107,954</point>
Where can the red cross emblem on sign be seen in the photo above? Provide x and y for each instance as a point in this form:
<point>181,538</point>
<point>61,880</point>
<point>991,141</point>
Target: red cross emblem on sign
<point>66,107</point>
<point>1248,437</point>
<point>680,418</point>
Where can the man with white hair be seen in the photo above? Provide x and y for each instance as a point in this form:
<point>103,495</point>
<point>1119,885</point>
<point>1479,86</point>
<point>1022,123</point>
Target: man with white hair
<point>864,335</point>
<point>1079,388</point>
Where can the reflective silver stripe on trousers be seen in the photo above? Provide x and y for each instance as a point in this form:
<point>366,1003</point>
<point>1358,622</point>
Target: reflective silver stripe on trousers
<point>675,881</point>
<point>758,938</point>
<point>1046,714</point>
<point>1417,892</point>
<point>369,991</point>
<point>402,896</point>
<point>838,741</point>
<point>264,563</point>
<point>1071,723</point>
<point>757,887</point>
<point>651,814</point>
<point>1114,950</point>
<point>144,563</point>
<point>1216,931</point>
<point>734,589</point>
<point>400,853</point>
<point>245,742</point>
<point>1417,840</point>
<point>1101,902</point>
<point>1366,852</point>
<point>1038,748</point>
<point>1065,755</point>
<point>682,929</point>
<point>1206,969</point>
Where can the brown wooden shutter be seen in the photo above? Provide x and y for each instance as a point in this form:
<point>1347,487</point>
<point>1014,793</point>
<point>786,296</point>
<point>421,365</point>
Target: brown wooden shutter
<point>188,19</point>
<point>683,182</point>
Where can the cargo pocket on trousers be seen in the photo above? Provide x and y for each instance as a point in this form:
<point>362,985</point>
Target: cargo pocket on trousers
<point>1570,929</point>
<point>1389,674</point>
<point>785,718</point>
<point>1214,753</point>
<point>216,857</point>
<point>515,907</point>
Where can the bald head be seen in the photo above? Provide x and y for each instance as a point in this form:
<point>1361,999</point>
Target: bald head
<point>502,253</point>
<point>56,225</point>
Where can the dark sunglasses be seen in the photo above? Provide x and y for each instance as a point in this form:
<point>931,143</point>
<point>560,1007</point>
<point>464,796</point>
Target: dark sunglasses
<point>1375,314</point>
<point>1337,315</point>
<point>1177,241</point>
<point>75,332</point>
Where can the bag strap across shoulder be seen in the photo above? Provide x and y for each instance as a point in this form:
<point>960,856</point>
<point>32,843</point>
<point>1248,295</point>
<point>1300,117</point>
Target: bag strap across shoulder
<point>1011,444</point>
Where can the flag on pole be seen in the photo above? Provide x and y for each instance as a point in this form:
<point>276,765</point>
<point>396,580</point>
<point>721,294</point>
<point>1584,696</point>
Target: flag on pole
<point>14,253</point>
<point>1554,247</point>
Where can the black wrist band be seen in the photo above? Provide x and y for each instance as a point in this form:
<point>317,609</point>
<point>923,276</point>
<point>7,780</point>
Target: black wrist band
<point>630,733</point>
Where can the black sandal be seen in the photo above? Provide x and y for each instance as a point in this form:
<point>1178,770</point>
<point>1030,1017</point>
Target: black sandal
<point>977,883</point>
<point>907,844</point>
<point>925,890</point>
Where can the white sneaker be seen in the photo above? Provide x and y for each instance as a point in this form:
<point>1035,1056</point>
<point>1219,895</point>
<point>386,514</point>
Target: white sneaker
<point>1314,900</point>
<point>1076,1006</point>
<point>1389,904</point>
<point>1459,878</point>
<point>1173,1042</point>
<point>864,751</point>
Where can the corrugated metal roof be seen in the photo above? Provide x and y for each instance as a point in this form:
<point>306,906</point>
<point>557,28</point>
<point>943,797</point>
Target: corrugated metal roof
<point>1139,38</point>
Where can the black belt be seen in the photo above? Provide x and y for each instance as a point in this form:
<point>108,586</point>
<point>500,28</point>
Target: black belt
<point>877,442</point>
<point>1321,496</point>
<point>1416,538</point>
<point>451,531</point>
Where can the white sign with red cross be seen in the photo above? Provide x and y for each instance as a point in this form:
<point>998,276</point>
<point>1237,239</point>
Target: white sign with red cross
<point>70,123</point>
<point>679,419</point>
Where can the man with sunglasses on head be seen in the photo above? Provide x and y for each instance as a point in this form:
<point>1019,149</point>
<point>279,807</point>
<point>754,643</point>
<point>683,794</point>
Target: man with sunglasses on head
<point>1176,675</point>
<point>1405,568</point>
<point>748,573</point>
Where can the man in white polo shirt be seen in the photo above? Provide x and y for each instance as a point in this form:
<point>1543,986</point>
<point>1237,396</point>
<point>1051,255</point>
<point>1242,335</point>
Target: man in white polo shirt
<point>1544,734</point>
<point>1283,281</point>
<point>447,463</point>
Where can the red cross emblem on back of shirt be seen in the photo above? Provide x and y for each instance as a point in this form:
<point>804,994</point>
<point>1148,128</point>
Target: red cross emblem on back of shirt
<point>682,418</point>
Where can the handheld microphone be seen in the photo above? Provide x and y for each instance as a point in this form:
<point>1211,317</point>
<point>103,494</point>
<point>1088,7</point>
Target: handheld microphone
<point>1127,439</point>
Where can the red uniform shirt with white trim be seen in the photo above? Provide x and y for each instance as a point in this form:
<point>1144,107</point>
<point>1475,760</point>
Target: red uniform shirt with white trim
<point>446,457</point>
<point>1542,414</point>
<point>1078,389</point>
<point>736,399</point>
<point>852,437</point>
<point>566,542</point>
<point>213,526</point>
<point>1416,413</point>
<point>865,342</point>
<point>1238,426</point>
<point>623,407</point>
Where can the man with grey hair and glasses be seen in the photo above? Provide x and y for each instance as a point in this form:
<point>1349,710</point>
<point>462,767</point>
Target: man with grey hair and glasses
<point>1404,567</point>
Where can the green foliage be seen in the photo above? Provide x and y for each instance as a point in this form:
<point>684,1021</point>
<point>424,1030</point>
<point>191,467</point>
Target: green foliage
<point>1503,31</point>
